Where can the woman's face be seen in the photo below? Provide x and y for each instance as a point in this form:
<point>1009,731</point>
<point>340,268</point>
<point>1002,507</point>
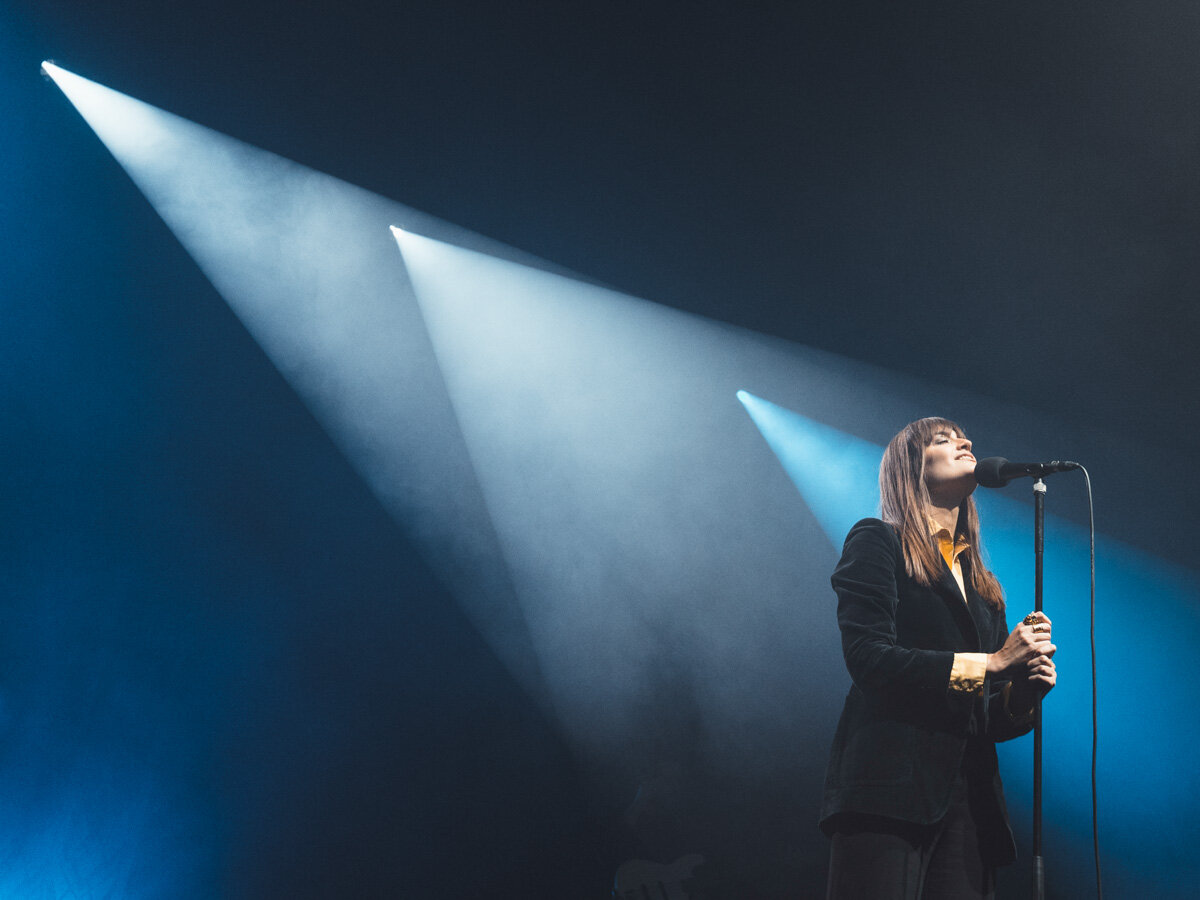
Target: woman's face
<point>949,467</point>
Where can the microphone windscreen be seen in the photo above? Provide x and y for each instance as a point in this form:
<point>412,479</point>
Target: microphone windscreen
<point>987,472</point>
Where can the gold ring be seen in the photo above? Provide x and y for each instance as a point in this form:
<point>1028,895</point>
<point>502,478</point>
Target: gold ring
<point>1039,627</point>
<point>1032,618</point>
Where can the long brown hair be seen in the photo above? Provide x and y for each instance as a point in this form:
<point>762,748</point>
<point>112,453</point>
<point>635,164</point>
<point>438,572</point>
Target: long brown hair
<point>904,503</point>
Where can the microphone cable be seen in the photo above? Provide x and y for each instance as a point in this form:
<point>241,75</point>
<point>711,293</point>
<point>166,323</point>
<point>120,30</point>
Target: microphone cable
<point>1095,718</point>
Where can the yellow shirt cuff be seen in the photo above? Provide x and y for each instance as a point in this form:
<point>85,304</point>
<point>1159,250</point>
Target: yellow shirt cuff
<point>968,672</point>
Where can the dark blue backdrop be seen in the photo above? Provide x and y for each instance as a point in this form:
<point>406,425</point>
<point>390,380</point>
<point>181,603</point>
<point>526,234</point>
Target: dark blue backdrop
<point>218,649</point>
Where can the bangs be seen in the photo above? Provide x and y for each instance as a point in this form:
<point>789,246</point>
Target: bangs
<point>923,430</point>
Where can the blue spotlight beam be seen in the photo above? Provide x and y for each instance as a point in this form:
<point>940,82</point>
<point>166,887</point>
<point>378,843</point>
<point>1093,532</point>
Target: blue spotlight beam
<point>835,472</point>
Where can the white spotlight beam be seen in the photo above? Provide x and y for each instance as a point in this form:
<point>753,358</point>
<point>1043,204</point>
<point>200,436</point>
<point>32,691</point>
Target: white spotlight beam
<point>305,262</point>
<point>654,545</point>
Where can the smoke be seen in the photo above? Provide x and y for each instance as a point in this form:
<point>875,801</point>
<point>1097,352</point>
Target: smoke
<point>573,462</point>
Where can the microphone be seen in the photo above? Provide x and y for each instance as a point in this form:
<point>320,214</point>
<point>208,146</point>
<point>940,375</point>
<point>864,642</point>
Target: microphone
<point>996,471</point>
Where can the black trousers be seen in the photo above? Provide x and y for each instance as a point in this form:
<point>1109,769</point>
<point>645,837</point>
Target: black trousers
<point>873,858</point>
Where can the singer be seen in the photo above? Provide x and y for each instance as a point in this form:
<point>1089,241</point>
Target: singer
<point>913,800</point>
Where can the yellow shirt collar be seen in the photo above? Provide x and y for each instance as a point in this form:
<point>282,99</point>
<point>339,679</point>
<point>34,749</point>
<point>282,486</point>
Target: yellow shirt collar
<point>951,547</point>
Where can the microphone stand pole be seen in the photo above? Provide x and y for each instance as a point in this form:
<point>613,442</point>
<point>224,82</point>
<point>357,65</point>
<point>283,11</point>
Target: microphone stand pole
<point>1039,515</point>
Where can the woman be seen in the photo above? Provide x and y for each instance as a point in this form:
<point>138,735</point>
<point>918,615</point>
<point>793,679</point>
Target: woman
<point>913,800</point>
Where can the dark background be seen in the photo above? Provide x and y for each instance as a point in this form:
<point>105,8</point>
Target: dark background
<point>1004,198</point>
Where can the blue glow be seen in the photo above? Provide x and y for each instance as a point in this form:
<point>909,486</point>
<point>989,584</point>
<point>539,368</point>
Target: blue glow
<point>1148,626</point>
<point>100,832</point>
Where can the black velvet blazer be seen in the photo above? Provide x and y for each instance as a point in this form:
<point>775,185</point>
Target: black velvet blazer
<point>903,735</point>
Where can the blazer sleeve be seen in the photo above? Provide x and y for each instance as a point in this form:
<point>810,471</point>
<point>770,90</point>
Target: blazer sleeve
<point>865,582</point>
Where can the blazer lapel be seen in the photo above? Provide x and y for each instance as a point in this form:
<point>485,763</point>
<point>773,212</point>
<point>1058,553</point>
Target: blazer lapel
<point>961,608</point>
<point>981,614</point>
<point>973,618</point>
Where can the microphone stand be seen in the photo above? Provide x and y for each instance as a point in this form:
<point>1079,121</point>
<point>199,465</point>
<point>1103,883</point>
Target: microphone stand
<point>1039,515</point>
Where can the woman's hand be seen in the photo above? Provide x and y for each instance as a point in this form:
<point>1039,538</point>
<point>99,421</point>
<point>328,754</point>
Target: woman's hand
<point>1026,654</point>
<point>1041,675</point>
<point>1038,682</point>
